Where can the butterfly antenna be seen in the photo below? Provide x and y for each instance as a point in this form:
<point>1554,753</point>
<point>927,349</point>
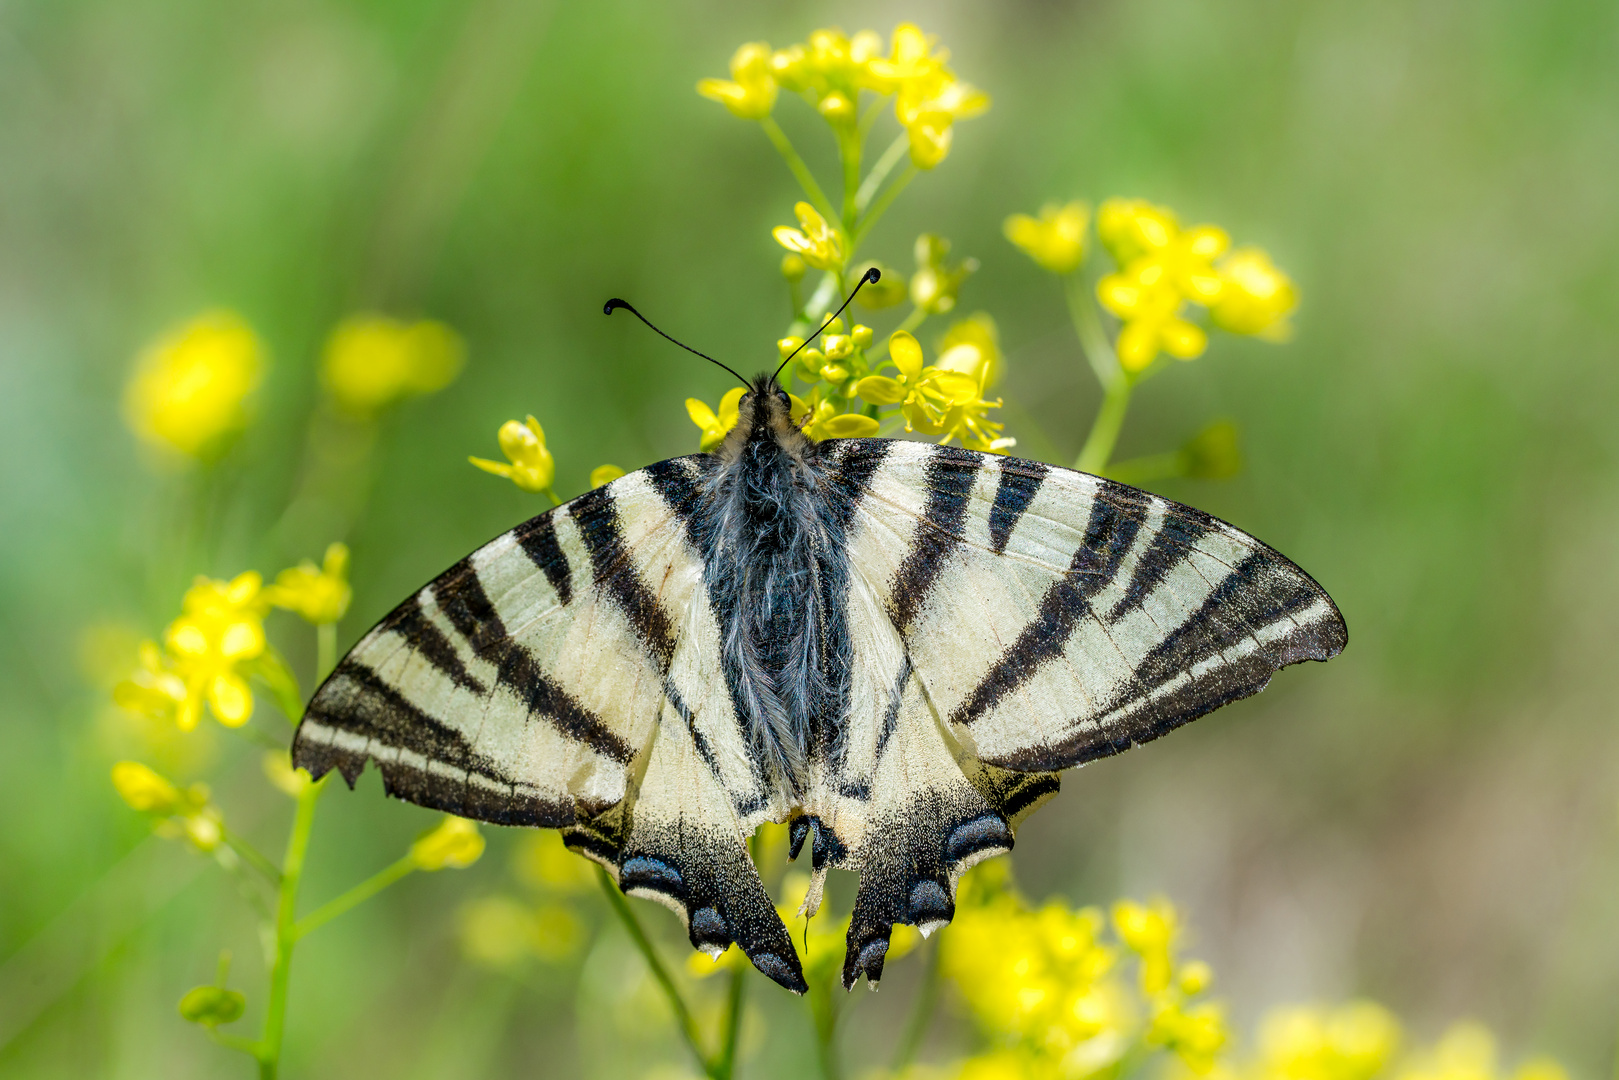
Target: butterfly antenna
<point>869,277</point>
<point>615,303</point>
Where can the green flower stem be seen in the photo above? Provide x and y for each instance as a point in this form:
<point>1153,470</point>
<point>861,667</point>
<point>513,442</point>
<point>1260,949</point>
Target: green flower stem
<point>879,172</point>
<point>552,495</point>
<point>801,173</point>
<point>1098,448</point>
<point>824,1006</point>
<point>884,201</point>
<point>286,929</point>
<point>677,1004</point>
<point>1093,340</point>
<point>362,892</point>
<point>325,650</point>
<point>725,1065</point>
<point>252,856</point>
<point>927,999</point>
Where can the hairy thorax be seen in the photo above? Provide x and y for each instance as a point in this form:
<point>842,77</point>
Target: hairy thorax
<point>776,586</point>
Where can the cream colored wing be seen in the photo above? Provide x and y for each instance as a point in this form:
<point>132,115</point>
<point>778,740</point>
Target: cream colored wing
<point>564,675</point>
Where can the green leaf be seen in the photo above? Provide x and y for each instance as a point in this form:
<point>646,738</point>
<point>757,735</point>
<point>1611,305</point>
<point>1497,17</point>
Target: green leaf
<point>212,1005</point>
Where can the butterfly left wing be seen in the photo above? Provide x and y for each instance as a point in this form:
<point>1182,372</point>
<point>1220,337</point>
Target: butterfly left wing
<point>564,675</point>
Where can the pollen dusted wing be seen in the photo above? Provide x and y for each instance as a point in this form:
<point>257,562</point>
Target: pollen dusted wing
<point>564,675</point>
<point>1040,618</point>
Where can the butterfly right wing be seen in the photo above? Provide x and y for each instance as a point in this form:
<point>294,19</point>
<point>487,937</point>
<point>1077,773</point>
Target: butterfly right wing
<point>567,675</point>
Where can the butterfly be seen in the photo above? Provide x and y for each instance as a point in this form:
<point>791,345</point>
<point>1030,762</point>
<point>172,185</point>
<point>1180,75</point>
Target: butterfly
<point>894,647</point>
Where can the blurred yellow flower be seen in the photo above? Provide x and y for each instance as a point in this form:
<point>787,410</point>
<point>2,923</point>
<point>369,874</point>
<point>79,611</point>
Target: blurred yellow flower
<point>543,861</point>
<point>1056,239</point>
<point>751,91</point>
<point>816,242</point>
<point>279,771</point>
<point>830,64</point>
<point>1150,306</point>
<point>713,424</point>
<point>372,361</point>
<point>1354,1041</point>
<point>532,467</point>
<point>911,58</point>
<point>1149,931</point>
<point>155,690</point>
<point>604,474</point>
<point>1255,297</point>
<point>456,844</point>
<point>821,418</point>
<point>221,627</point>
<point>1141,236</point>
<point>1131,228</point>
<point>700,965</point>
<point>936,282</point>
<point>320,594</point>
<point>972,346</point>
<point>499,931</point>
<point>189,389</point>
<point>146,791</point>
<point>928,108</point>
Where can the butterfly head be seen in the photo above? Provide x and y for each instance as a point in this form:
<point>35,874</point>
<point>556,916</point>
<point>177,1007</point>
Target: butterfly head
<point>765,414</point>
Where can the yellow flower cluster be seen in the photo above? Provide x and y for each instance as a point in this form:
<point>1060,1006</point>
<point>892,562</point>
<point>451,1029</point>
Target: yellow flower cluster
<point>218,642</point>
<point>373,361</point>
<point>1049,985</point>
<point>190,388</point>
<point>1162,267</point>
<point>831,70</point>
<point>179,813</point>
<point>454,845</point>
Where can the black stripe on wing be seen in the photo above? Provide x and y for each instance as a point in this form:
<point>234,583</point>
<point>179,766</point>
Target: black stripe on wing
<point>949,476</point>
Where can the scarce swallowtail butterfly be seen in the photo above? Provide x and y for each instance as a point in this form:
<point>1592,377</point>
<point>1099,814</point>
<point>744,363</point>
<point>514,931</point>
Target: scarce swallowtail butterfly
<point>892,646</point>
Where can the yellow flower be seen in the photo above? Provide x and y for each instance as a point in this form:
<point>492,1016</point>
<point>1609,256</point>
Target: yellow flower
<point>1001,1065</point>
<point>911,58</point>
<point>1255,297</point>
<point>1056,239</point>
<point>831,64</point>
<point>146,791</point>
<point>604,474</point>
<point>1140,235</point>
<point>189,389</point>
<point>925,395</point>
<point>543,861</point>
<point>372,361</point>
<point>1196,1034</point>
<point>935,284</point>
<point>700,965</point>
<point>1144,298</point>
<point>1149,931</point>
<point>714,425</point>
<point>279,771</point>
<point>929,107</point>
<point>1131,228</point>
<point>155,690</point>
<point>1355,1041</point>
<point>532,467</point>
<point>821,418</point>
<point>221,627</point>
<point>972,346</point>
<point>817,243</point>
<point>500,932</point>
<point>455,844</point>
<point>320,594</point>
<point>751,92</point>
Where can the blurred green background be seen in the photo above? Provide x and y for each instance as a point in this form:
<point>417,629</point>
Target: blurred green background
<point>1431,820</point>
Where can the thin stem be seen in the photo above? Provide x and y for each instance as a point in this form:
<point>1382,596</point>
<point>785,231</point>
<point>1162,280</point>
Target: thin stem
<point>1098,448</point>
<point>325,650</point>
<point>253,857</point>
<point>825,1008</point>
<point>879,172</point>
<point>731,1031</point>
<point>552,495</point>
<point>884,201</point>
<point>286,929</point>
<point>362,892</point>
<point>801,173</point>
<point>677,1004</point>
<point>927,999</point>
<point>1088,326</point>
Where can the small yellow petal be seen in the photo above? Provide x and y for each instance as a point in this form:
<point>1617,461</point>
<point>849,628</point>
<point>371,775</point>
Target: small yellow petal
<point>455,844</point>
<point>145,790</point>
<point>906,353</point>
<point>499,468</point>
<point>604,474</point>
<point>848,426</point>
<point>880,390</point>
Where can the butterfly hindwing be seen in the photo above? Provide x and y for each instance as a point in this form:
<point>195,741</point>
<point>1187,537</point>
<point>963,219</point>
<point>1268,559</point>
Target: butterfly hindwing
<point>564,675</point>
